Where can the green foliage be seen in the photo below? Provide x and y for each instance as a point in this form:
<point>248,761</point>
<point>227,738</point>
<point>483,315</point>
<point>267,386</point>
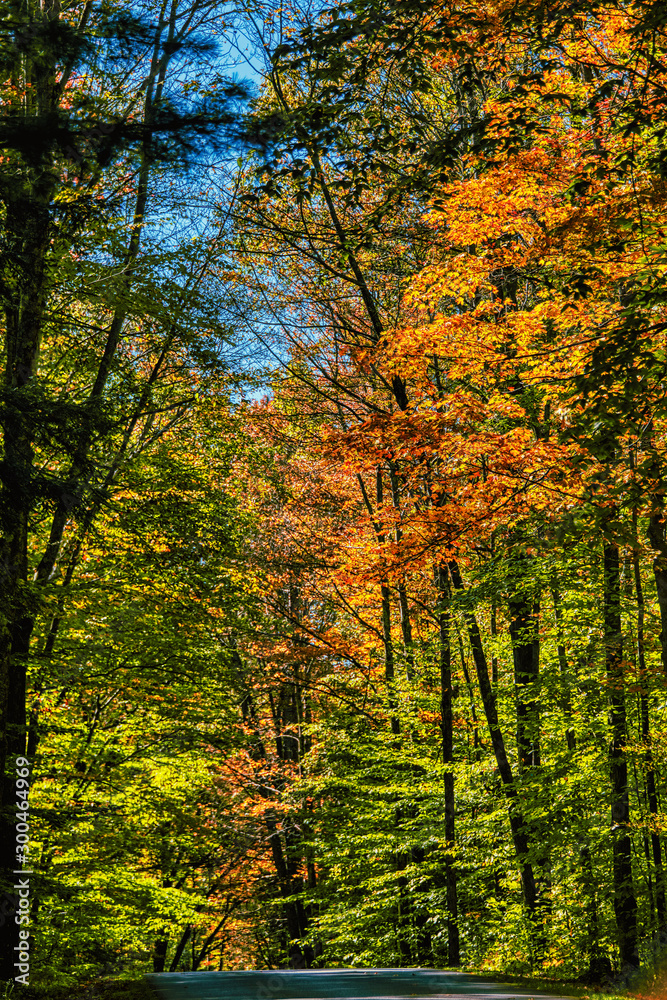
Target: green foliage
<point>242,624</point>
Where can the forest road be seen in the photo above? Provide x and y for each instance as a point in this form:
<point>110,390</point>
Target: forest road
<point>335,984</point>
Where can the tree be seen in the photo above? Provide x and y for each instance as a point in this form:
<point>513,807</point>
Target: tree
<point>512,438</point>
<point>136,743</point>
<point>92,124</point>
<point>406,607</point>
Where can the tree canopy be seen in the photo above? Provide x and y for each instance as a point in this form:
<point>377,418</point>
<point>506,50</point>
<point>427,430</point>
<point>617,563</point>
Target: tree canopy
<point>334,552</point>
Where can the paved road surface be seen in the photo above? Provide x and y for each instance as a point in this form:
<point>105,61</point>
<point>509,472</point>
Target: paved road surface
<point>333,984</point>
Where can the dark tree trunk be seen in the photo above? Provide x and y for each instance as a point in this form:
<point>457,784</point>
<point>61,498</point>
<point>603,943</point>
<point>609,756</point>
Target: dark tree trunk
<point>289,882</point>
<point>625,904</point>
<point>26,238</point>
<point>389,669</point>
<point>447,724</point>
<point>658,539</point>
<point>524,617</point>
<point>180,948</point>
<point>387,642</point>
<point>565,698</point>
<point>403,607</point>
<point>27,231</point>
<point>295,914</point>
<point>476,740</point>
<point>494,633</point>
<point>519,827</point>
<point>160,946</point>
<point>649,766</point>
<point>406,631</point>
<point>207,943</point>
<point>524,611</point>
<point>494,606</point>
<point>599,964</point>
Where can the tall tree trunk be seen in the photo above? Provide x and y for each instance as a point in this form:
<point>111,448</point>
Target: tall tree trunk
<point>524,609</point>
<point>26,236</point>
<point>207,942</point>
<point>27,232</point>
<point>625,904</point>
<point>287,871</point>
<point>389,671</point>
<point>180,948</point>
<point>518,825</point>
<point>160,946</point>
<point>404,610</point>
<point>566,697</point>
<point>657,535</point>
<point>494,600</point>
<point>658,539</point>
<point>288,883</point>
<point>524,630</point>
<point>649,766</point>
<point>447,724</point>
<point>406,630</point>
<point>476,740</point>
<point>494,633</point>
<point>599,964</point>
<point>385,596</point>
